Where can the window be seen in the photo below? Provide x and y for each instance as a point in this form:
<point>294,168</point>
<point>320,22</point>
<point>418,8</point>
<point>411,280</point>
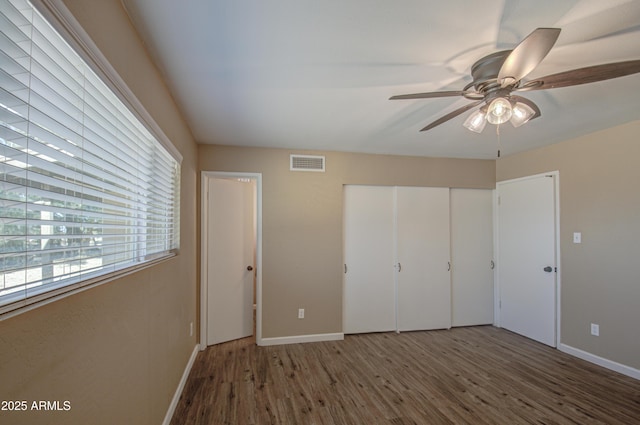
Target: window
<point>86,190</point>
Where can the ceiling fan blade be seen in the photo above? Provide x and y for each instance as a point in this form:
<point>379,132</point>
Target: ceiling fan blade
<point>428,95</point>
<point>530,104</point>
<point>452,114</point>
<point>527,55</point>
<point>590,74</point>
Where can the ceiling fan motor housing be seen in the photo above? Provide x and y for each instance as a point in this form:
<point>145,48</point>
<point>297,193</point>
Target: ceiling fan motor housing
<point>485,71</point>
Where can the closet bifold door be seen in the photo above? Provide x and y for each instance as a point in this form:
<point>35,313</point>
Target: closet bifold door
<point>423,255</point>
<point>369,291</point>
<point>472,256</point>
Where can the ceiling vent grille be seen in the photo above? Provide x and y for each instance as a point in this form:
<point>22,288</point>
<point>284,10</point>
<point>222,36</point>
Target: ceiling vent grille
<point>306,163</point>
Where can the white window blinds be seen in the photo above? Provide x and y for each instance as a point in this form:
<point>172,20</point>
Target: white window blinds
<point>85,188</point>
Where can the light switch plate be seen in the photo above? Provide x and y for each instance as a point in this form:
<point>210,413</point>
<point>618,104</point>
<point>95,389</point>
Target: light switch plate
<point>577,237</point>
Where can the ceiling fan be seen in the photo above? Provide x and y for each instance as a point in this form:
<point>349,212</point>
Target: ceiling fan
<point>497,76</point>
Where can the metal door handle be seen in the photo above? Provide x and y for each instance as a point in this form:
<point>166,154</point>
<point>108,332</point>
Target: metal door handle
<point>399,267</point>
<point>493,265</point>
<point>548,269</point>
<point>249,268</point>
<point>448,266</point>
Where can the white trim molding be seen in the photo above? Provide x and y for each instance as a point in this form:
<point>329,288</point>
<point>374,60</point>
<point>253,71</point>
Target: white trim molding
<point>298,339</point>
<point>183,381</point>
<point>600,361</point>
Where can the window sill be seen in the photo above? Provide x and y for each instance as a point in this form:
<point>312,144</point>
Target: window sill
<point>22,306</point>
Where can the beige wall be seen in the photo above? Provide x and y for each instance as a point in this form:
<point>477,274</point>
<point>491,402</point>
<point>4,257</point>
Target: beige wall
<point>600,197</point>
<point>302,222</point>
<point>116,352</point>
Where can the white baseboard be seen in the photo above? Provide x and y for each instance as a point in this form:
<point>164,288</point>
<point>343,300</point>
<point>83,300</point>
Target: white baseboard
<point>600,361</point>
<point>181,384</point>
<point>301,339</point>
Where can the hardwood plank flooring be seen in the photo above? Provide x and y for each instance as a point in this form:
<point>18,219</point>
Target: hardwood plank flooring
<point>474,375</point>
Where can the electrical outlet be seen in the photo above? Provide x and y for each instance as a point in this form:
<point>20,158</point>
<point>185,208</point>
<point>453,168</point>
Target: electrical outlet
<point>301,313</point>
<point>191,329</point>
<point>595,329</point>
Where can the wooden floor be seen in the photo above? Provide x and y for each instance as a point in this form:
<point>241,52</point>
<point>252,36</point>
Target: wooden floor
<point>477,375</point>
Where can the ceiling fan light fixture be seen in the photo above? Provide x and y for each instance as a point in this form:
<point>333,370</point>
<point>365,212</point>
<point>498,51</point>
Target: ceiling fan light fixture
<point>476,121</point>
<point>499,111</point>
<point>521,113</point>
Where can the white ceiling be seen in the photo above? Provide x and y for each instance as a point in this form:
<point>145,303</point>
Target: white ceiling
<point>305,74</point>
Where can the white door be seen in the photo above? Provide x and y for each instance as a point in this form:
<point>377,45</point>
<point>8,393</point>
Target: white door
<point>231,236</point>
<point>369,292</point>
<point>472,257</point>
<point>423,258</point>
<point>527,257</point>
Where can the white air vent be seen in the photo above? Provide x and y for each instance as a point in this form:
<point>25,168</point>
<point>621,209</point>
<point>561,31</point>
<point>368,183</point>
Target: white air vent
<point>306,163</point>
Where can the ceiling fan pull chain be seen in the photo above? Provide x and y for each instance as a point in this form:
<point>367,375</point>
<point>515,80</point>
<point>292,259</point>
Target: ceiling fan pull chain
<point>498,133</point>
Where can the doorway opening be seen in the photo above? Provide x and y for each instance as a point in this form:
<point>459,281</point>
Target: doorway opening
<point>231,257</point>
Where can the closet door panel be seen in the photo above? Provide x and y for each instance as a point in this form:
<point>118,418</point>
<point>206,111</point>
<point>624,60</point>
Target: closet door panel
<point>423,241</point>
<point>471,256</point>
<point>369,292</point>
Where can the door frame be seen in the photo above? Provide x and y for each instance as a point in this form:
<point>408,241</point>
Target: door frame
<point>556,180</point>
<point>206,176</point>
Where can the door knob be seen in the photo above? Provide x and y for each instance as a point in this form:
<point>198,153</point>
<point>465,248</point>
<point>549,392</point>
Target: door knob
<point>249,268</point>
<point>548,269</point>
